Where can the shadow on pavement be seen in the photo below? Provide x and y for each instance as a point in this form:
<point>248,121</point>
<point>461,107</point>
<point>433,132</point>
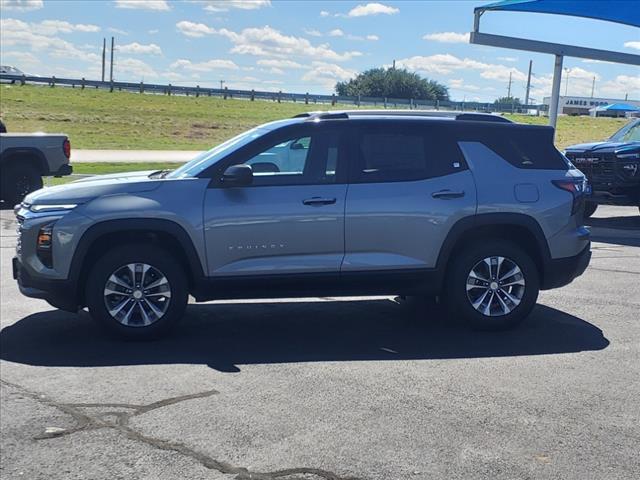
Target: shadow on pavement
<point>224,336</point>
<point>616,230</point>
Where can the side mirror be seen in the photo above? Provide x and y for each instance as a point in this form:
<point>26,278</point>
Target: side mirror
<point>296,146</point>
<point>237,176</point>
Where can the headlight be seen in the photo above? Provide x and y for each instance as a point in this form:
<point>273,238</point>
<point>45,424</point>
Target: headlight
<point>53,208</point>
<point>629,156</point>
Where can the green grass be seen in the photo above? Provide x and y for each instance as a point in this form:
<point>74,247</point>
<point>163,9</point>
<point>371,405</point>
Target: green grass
<point>104,168</point>
<point>97,119</point>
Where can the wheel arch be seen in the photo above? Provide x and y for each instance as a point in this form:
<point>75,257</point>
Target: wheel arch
<point>522,229</point>
<point>29,154</point>
<point>105,235</point>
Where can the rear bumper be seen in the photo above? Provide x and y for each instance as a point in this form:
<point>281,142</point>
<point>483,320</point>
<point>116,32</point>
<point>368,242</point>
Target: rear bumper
<point>65,169</point>
<point>58,293</point>
<point>622,197</point>
<point>562,271</point>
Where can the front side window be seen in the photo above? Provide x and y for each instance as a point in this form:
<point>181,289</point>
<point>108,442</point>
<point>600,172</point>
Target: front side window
<point>297,159</point>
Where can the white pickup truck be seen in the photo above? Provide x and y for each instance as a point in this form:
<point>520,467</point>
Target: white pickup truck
<point>27,157</point>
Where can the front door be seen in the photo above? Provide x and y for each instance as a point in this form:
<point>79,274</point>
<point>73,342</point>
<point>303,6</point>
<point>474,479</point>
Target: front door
<point>291,219</point>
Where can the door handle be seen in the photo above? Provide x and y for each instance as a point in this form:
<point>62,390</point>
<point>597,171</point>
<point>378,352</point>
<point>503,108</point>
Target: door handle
<point>447,194</point>
<point>319,201</point>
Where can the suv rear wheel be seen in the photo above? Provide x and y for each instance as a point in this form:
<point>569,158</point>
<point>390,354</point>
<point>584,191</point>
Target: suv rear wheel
<point>493,285</point>
<point>137,291</point>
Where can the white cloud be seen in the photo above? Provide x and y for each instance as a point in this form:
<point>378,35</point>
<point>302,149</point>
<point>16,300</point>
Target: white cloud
<point>620,86</point>
<point>459,84</point>
<point>51,27</point>
<point>266,42</point>
<point>118,31</point>
<point>445,64</point>
<point>327,74</point>
<point>153,31</point>
<point>21,5</point>
<point>508,59</point>
<point>324,13</point>
<point>18,33</point>
<point>273,63</point>
<point>372,9</point>
<point>447,37</point>
<point>192,29</point>
<point>372,38</point>
<point>137,48</point>
<point>134,67</point>
<point>635,45</point>
<point>336,33</point>
<point>158,5</point>
<point>312,33</point>
<point>226,5</point>
<point>208,66</point>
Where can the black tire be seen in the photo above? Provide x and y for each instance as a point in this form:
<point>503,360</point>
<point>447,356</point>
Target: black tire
<point>161,261</point>
<point>589,209</point>
<point>460,304</point>
<point>18,180</point>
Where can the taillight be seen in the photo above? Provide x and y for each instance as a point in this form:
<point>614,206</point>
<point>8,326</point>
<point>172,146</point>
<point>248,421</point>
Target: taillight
<point>576,187</point>
<point>66,148</point>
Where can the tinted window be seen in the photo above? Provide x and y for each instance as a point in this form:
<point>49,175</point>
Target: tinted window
<point>399,151</point>
<point>521,146</point>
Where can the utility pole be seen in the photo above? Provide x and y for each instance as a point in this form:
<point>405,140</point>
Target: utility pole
<point>566,85</point>
<point>509,88</point>
<point>104,48</point>
<point>111,69</point>
<point>394,65</point>
<point>221,84</point>
<point>526,95</point>
<point>593,86</point>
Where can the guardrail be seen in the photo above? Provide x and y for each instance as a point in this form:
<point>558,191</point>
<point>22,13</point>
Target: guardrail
<point>306,98</point>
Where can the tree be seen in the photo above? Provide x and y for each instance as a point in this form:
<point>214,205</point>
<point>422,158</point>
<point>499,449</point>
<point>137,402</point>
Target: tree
<point>508,101</point>
<point>392,83</point>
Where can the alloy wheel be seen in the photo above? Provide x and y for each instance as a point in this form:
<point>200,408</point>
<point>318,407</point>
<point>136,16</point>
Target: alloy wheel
<point>137,295</point>
<point>495,286</point>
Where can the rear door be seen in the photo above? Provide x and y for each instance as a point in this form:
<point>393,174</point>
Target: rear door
<point>409,184</point>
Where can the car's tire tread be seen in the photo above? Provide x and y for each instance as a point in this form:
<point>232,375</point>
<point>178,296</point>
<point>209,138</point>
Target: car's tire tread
<point>455,294</point>
<point>132,253</point>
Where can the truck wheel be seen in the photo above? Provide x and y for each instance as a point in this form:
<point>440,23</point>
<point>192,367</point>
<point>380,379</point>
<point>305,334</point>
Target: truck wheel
<point>18,180</point>
<point>137,291</point>
<point>492,286</point>
<point>589,209</point>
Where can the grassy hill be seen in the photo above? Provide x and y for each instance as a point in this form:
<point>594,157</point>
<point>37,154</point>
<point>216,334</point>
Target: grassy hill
<point>97,119</point>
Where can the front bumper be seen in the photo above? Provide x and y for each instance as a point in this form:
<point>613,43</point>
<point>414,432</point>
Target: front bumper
<point>562,271</point>
<point>58,293</point>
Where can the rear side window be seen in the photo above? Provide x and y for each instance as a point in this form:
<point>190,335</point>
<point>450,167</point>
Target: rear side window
<point>395,152</point>
<point>522,147</point>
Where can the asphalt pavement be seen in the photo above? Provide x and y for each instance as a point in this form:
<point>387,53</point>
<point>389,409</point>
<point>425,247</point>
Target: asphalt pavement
<point>332,389</point>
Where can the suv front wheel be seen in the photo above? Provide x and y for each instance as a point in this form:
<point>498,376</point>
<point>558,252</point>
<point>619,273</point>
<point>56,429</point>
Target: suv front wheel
<point>493,285</point>
<point>137,291</point>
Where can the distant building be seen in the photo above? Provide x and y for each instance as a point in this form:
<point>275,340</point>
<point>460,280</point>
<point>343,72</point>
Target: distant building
<point>582,105</point>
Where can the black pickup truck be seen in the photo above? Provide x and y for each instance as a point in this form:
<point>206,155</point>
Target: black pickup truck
<point>612,167</point>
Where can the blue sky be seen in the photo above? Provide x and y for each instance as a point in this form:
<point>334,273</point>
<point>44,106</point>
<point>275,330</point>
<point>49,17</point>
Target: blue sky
<point>306,46</point>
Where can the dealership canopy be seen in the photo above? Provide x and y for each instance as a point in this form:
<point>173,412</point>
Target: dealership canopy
<point>624,12</point>
<point>617,107</point>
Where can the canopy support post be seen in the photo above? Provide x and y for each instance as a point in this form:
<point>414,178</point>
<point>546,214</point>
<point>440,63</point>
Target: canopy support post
<point>555,91</point>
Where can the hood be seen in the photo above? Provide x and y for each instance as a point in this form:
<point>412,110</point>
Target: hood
<point>605,146</point>
<point>86,189</point>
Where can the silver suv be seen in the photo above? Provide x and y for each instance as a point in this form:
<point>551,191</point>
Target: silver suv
<point>473,208</point>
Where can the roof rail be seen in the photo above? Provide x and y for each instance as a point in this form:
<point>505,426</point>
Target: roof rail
<point>465,116</point>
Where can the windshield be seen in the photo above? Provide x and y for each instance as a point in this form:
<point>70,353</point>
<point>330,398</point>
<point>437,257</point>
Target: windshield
<point>208,158</point>
<point>628,133</point>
